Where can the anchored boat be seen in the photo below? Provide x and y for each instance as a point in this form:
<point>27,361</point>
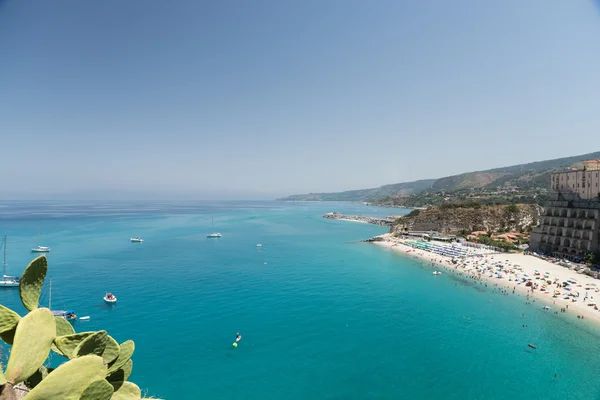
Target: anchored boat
<point>40,249</point>
<point>7,280</point>
<point>214,234</point>
<point>69,315</point>
<point>110,298</point>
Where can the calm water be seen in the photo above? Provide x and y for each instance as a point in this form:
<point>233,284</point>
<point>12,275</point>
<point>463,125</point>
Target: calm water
<point>322,315</point>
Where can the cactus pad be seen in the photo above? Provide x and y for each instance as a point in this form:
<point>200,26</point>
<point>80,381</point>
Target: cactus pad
<point>93,344</point>
<point>70,380</point>
<point>121,375</point>
<point>128,391</point>
<point>100,344</point>
<point>67,344</point>
<point>8,319</point>
<point>33,338</point>
<point>98,390</point>
<point>32,281</point>
<point>63,327</point>
<point>112,350</point>
<point>125,352</point>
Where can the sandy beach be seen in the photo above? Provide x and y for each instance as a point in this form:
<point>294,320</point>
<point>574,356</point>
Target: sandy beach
<point>577,300</point>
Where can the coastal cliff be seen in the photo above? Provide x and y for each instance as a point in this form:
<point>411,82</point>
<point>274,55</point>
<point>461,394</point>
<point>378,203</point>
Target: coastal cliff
<point>469,218</point>
<point>359,218</point>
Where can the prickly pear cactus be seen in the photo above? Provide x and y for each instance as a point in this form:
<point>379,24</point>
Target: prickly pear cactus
<point>98,390</point>
<point>85,377</point>
<point>128,391</point>
<point>63,327</point>
<point>8,319</point>
<point>125,352</point>
<point>32,281</point>
<point>67,344</point>
<point>93,344</point>
<point>33,338</point>
<point>121,375</point>
<point>70,380</point>
<point>99,343</point>
<point>111,351</point>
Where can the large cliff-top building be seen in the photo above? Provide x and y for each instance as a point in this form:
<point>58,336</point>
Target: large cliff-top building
<point>570,222</point>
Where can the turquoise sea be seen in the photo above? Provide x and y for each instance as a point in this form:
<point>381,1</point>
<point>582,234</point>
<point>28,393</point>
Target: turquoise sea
<point>323,316</point>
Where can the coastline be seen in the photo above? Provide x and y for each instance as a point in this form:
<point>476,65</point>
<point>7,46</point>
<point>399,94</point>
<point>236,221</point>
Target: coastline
<point>576,311</point>
<point>360,218</point>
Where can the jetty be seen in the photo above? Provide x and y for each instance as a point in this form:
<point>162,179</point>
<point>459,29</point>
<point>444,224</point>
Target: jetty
<point>388,221</point>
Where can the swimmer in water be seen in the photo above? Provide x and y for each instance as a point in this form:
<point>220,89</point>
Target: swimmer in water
<point>238,337</point>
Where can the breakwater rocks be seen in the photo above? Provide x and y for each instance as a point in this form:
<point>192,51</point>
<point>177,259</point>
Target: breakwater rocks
<point>359,218</point>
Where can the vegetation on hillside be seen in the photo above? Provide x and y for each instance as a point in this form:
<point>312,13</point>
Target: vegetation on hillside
<point>487,240</point>
<point>97,367</point>
<point>467,197</point>
<point>532,177</point>
<point>366,194</point>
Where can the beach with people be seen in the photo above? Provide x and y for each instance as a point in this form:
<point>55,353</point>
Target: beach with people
<point>551,287</point>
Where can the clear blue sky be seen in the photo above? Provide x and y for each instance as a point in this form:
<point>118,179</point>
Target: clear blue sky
<point>279,97</point>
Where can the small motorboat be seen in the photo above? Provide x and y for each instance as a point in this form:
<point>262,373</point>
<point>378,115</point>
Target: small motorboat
<point>532,346</point>
<point>137,240</point>
<point>259,245</point>
<point>437,273</point>
<point>69,315</point>
<point>84,318</point>
<point>110,298</point>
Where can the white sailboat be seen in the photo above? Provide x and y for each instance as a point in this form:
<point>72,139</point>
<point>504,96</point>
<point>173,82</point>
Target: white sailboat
<point>40,249</point>
<point>7,281</point>
<point>214,234</point>
<point>69,315</point>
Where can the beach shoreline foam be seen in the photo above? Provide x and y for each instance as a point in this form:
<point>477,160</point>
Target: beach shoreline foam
<point>469,269</point>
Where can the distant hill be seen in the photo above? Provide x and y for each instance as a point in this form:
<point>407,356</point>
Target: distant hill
<point>366,194</point>
<point>534,175</point>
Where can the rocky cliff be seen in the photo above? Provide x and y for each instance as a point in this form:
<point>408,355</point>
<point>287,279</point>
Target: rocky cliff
<point>474,217</point>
